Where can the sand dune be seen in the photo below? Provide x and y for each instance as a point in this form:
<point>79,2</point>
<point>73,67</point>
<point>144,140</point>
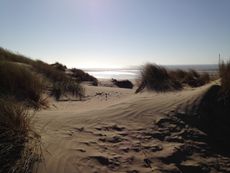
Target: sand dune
<point>114,130</point>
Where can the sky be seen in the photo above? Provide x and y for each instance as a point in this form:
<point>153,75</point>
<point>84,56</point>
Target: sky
<point>117,33</point>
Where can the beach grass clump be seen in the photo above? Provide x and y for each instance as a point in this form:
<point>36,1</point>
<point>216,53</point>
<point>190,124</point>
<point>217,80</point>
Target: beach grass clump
<point>80,76</point>
<point>155,77</point>
<point>178,74</point>
<point>75,89</point>
<point>123,83</point>
<point>205,77</point>
<point>6,55</point>
<point>71,87</point>
<point>54,72</point>
<point>19,82</point>
<point>224,72</point>
<point>158,78</point>
<point>19,149</point>
<point>50,72</point>
<point>57,90</point>
<point>59,66</point>
<point>191,78</point>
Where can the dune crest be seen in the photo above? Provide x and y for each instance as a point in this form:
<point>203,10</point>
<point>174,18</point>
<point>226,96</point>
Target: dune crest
<point>133,133</point>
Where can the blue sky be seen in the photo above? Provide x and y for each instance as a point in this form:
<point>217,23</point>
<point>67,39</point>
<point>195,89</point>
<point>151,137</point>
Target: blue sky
<point>117,33</point>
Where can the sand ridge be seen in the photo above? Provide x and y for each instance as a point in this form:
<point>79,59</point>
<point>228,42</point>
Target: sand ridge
<point>124,132</point>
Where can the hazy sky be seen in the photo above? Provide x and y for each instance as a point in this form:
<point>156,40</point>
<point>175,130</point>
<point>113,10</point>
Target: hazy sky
<point>117,33</point>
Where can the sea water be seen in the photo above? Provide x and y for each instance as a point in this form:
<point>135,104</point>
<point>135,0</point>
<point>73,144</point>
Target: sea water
<point>134,73</point>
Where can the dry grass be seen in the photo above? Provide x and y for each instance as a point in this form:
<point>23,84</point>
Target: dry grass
<point>123,83</point>
<point>178,74</point>
<point>205,77</point>
<point>155,77</point>
<point>79,75</point>
<point>50,72</point>
<point>224,72</point>
<point>19,82</point>
<point>23,83</point>
<point>59,66</point>
<point>191,78</point>
<point>19,147</point>
<point>6,55</point>
<point>61,88</point>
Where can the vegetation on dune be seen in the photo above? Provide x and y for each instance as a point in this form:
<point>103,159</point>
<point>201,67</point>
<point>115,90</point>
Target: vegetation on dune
<point>224,72</point>
<point>6,55</point>
<point>59,81</point>
<point>155,77</point>
<point>213,110</point>
<point>205,78</point>
<point>61,88</point>
<point>191,78</point>
<point>54,72</point>
<point>158,78</point>
<point>178,74</point>
<point>51,73</point>
<point>80,75</point>
<point>22,84</point>
<point>19,147</point>
<point>59,66</point>
<point>21,88</point>
<point>123,83</point>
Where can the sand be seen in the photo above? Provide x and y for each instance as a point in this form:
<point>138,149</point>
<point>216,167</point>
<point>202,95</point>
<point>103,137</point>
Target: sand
<point>115,130</point>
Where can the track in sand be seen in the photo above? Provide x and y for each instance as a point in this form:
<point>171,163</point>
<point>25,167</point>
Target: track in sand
<point>136,133</point>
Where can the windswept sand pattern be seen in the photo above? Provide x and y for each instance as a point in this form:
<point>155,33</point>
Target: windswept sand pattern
<point>135,135</point>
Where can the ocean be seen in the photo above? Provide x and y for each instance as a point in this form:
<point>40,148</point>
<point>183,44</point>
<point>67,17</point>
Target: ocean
<point>133,73</point>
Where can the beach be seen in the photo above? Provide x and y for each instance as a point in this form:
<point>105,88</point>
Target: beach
<point>115,130</point>
<point>115,86</point>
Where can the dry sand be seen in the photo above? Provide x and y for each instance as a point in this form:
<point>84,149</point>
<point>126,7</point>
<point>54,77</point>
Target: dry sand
<point>115,130</point>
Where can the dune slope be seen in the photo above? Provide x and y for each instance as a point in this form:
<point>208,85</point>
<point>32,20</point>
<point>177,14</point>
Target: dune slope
<point>116,131</point>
